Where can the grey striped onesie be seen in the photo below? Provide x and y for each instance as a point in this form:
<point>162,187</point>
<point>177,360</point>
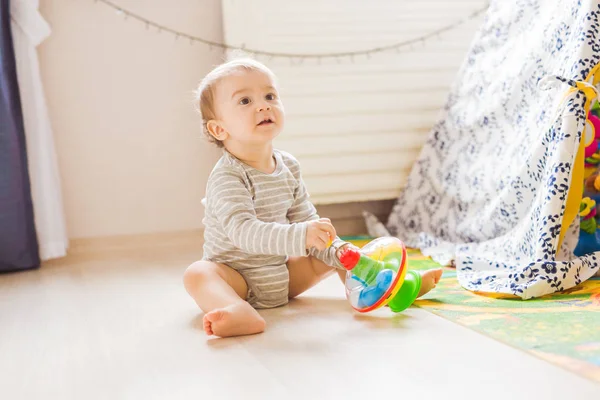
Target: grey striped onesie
<point>255,221</point>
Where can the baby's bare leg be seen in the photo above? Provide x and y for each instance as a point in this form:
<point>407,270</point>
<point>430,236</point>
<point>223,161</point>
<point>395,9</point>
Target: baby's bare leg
<point>220,292</point>
<point>306,272</point>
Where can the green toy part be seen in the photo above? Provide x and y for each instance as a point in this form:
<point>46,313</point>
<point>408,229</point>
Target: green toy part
<point>408,292</point>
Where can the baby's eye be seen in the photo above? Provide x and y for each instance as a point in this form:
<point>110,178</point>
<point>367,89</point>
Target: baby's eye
<point>271,96</point>
<point>245,101</point>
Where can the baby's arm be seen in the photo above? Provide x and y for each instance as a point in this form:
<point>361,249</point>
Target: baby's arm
<point>232,204</point>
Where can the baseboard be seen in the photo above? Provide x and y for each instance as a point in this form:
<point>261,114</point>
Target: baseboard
<point>347,219</point>
<point>128,242</point>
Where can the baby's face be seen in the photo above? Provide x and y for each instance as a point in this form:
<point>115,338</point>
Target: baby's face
<point>248,107</point>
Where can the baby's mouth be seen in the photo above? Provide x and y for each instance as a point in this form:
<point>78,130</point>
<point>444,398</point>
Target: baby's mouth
<point>265,121</point>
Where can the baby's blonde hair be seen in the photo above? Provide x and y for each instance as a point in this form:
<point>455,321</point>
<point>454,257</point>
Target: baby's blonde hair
<point>205,94</point>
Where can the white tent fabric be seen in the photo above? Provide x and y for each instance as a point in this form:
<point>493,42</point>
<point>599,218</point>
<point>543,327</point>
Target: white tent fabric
<point>498,184</point>
<point>29,29</point>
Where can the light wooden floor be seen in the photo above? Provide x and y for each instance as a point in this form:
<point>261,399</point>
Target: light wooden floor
<point>117,324</point>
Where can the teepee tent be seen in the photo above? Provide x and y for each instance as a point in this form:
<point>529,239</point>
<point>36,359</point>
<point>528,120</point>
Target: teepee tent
<point>498,186</point>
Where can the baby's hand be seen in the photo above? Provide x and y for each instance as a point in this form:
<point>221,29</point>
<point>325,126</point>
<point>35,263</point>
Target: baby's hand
<point>319,233</point>
<point>343,247</point>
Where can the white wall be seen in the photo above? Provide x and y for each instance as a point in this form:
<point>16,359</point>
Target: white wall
<point>131,155</point>
<point>357,127</point>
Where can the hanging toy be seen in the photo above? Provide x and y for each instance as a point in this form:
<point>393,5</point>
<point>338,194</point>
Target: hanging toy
<point>591,187</point>
<point>589,238</point>
<point>595,110</point>
<point>589,235</point>
<point>378,276</point>
<point>591,132</point>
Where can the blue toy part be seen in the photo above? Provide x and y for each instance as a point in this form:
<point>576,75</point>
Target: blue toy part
<point>371,294</point>
<point>588,243</point>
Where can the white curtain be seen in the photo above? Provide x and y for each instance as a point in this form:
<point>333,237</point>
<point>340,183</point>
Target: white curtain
<point>29,29</point>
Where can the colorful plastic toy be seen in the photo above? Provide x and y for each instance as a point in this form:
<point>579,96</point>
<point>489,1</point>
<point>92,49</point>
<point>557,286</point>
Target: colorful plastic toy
<point>591,133</point>
<point>589,234</point>
<point>378,276</point>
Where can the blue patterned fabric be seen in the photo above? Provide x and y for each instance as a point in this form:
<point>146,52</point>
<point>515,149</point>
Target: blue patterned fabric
<point>490,186</point>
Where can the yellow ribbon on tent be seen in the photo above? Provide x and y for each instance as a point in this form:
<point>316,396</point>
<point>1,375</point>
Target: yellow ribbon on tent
<point>575,194</point>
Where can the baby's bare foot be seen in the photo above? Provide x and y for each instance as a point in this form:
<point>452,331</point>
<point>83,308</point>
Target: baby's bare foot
<point>429,279</point>
<point>234,320</point>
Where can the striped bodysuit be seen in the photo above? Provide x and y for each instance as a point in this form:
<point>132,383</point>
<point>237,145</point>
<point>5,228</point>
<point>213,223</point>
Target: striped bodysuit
<point>255,221</point>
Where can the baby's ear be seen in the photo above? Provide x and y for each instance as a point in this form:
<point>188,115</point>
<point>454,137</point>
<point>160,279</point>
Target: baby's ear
<point>216,130</point>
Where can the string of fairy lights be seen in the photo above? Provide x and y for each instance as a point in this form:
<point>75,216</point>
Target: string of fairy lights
<point>295,58</point>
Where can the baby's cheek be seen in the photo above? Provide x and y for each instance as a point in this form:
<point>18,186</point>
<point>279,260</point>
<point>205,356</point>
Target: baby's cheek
<point>280,116</point>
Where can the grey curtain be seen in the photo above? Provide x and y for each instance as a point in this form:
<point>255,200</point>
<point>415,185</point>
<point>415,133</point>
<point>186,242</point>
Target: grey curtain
<point>18,241</point>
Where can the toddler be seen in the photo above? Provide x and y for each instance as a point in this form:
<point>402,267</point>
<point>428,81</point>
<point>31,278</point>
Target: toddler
<point>263,241</point>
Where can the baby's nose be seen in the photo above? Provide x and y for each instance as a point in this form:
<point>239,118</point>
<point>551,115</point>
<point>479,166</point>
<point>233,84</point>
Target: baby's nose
<point>263,108</point>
